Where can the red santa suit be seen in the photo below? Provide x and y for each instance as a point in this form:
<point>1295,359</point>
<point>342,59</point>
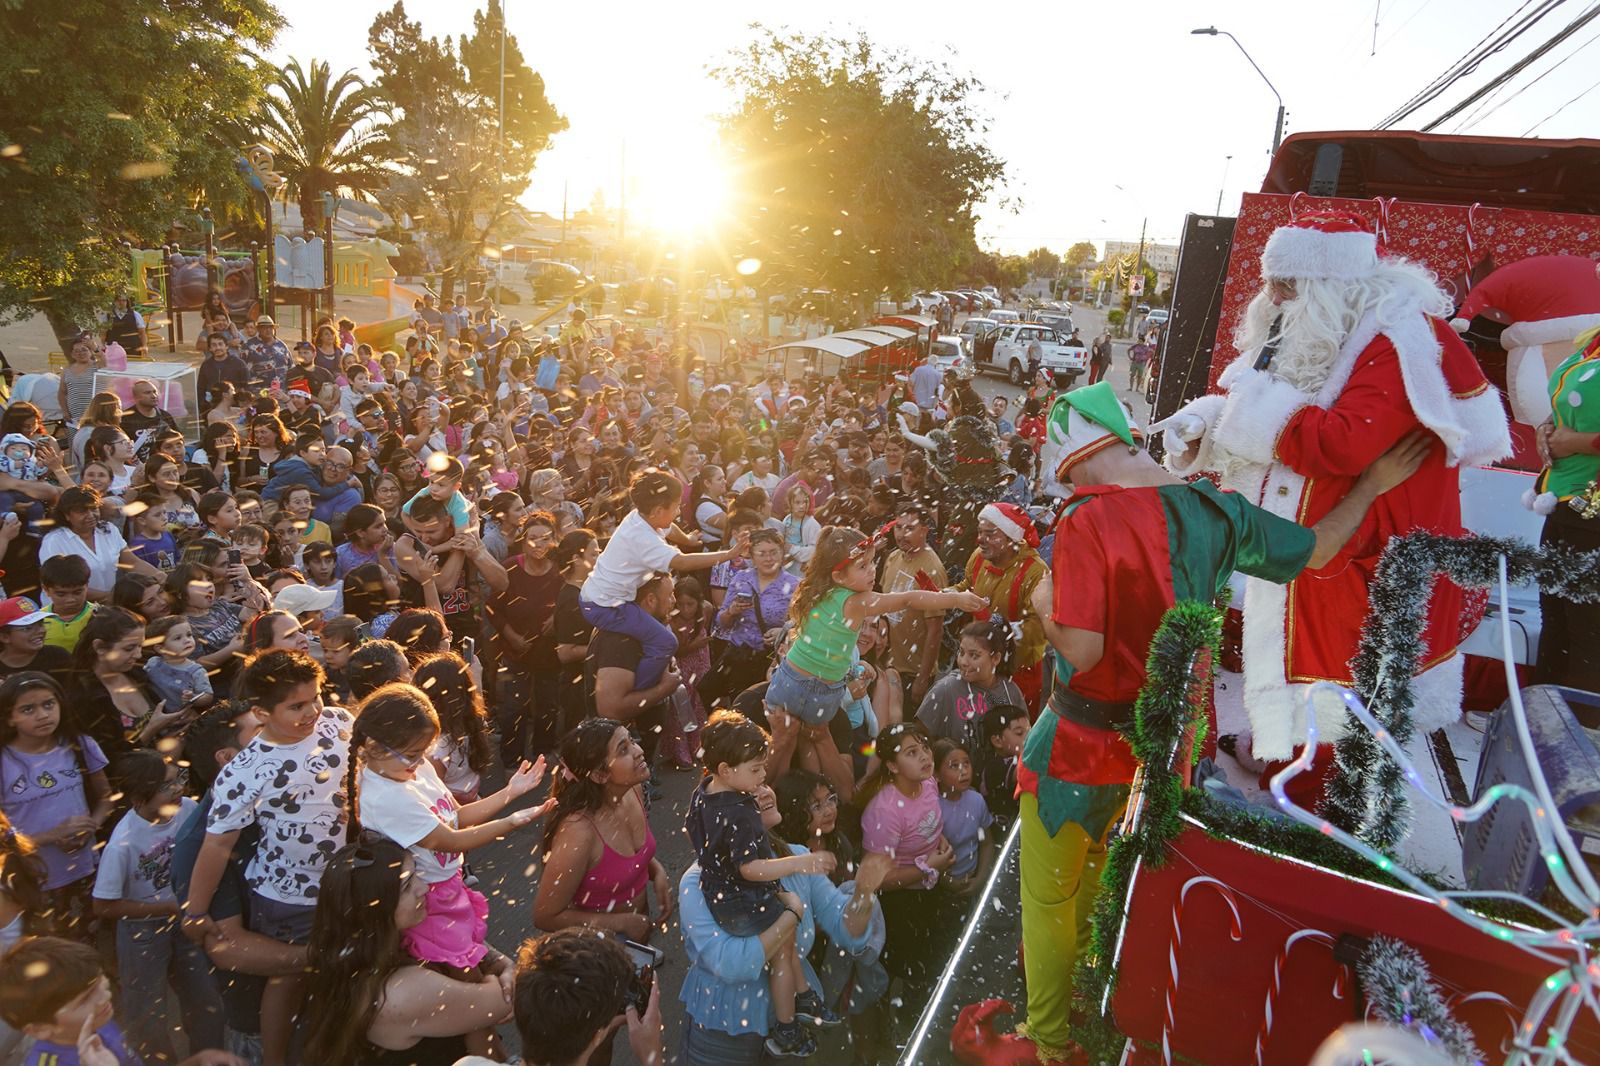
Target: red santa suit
<point>1297,455</point>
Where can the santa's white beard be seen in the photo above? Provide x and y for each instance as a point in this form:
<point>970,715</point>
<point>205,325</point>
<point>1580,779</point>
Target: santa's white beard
<point>1313,326</point>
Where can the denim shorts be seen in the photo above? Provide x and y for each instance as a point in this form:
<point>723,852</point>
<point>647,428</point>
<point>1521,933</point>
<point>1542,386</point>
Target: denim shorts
<point>810,699</point>
<point>286,922</point>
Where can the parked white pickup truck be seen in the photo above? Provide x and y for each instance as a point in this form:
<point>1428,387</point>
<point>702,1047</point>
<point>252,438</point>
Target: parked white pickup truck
<point>1004,349</point>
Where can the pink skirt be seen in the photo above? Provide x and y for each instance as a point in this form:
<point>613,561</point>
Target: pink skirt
<point>454,931</point>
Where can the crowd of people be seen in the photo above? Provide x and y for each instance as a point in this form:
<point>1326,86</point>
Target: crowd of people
<point>257,690</point>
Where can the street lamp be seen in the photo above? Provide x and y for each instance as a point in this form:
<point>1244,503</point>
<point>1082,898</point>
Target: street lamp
<point>1277,132</point>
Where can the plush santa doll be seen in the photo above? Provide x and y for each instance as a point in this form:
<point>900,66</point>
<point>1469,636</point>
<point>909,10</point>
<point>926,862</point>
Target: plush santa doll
<point>1345,351</point>
<point>1545,302</point>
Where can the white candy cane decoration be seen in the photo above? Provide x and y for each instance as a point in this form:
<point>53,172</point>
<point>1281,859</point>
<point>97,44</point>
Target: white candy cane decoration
<point>1236,932</point>
<point>1276,986</point>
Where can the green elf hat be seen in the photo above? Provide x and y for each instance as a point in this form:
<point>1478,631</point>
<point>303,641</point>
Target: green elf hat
<point>1084,422</point>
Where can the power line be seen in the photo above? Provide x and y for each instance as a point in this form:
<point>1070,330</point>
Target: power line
<point>1395,114</point>
<point>1518,67</point>
<point>1493,42</point>
<point>1480,114</point>
<point>1398,29</point>
<point>1560,109</point>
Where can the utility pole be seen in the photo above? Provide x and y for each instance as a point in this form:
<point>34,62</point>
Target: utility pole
<point>1226,163</point>
<point>500,157</point>
<point>563,217</point>
<point>622,199</point>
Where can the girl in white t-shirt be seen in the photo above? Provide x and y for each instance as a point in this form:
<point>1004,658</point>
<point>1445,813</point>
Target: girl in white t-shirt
<point>397,792</point>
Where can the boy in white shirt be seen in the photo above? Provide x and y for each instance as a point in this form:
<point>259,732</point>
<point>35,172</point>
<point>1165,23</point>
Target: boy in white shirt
<point>642,546</point>
<point>290,781</point>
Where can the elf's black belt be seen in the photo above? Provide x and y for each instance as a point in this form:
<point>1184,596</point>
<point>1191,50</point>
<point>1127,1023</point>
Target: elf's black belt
<point>1096,714</point>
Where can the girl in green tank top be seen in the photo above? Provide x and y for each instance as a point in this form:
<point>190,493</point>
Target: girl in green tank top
<point>832,601</point>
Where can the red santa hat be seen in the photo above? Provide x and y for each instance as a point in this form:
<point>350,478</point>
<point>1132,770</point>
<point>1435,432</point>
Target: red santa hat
<point>300,387</point>
<point>1334,245</point>
<point>1544,299</point>
<point>1011,520</point>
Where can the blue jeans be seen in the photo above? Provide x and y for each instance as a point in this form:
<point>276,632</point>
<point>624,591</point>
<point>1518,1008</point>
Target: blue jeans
<point>151,952</point>
<point>631,620</point>
<point>712,1047</point>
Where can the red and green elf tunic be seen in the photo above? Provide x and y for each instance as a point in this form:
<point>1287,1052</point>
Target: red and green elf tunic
<point>1122,558</point>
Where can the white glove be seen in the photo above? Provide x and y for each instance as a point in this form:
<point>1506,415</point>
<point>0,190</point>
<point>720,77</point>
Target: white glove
<point>1184,426</point>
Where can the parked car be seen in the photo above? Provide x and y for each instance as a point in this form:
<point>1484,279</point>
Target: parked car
<point>1004,317</point>
<point>1158,316</point>
<point>1056,320</point>
<point>973,328</point>
<point>1005,349</point>
<point>947,352</point>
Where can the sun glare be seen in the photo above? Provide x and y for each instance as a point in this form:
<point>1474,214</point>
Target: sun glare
<point>686,200</point>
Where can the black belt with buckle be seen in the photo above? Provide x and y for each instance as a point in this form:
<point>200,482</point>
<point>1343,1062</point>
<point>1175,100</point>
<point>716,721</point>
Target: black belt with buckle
<point>1096,714</point>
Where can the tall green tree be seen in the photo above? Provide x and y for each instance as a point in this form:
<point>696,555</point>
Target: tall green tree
<point>327,135</point>
<point>1043,263</point>
<point>1079,255</point>
<point>112,124</point>
<point>859,169</point>
<point>461,159</point>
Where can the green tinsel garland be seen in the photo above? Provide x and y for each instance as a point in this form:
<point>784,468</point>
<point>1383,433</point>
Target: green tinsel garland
<point>1400,990</point>
<point>1366,794</point>
<point>1178,675</point>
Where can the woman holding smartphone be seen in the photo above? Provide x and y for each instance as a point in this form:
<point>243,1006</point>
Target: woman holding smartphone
<point>751,620</point>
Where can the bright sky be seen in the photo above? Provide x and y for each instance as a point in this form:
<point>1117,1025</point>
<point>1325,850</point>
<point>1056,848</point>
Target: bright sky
<point>1082,98</point>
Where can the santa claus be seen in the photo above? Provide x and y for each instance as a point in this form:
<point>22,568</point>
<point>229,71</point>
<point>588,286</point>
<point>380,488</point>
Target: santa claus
<point>1345,351</point>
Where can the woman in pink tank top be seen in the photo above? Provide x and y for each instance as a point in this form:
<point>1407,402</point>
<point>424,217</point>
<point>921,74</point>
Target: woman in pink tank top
<point>599,851</point>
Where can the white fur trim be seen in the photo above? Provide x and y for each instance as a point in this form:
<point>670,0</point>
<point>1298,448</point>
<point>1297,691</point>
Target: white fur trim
<point>1547,331</point>
<point>1488,433</point>
<point>1208,409</point>
<point>993,514</point>
<point>1474,430</point>
<point>1258,407</point>
<point>1461,325</point>
<point>1295,252</point>
<point>1528,383</point>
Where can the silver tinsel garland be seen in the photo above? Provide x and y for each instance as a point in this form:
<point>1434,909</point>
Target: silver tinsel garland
<point>1400,990</point>
<point>1366,793</point>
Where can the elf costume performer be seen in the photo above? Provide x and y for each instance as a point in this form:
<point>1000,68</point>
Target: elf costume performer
<point>1133,541</point>
<point>1568,494</point>
<point>1004,569</point>
<point>1345,351</point>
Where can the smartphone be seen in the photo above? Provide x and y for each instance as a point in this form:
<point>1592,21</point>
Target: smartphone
<point>235,557</point>
<point>468,648</point>
<point>646,960</point>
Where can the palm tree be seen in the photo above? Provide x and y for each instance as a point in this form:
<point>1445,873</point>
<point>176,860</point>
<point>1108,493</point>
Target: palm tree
<point>327,135</point>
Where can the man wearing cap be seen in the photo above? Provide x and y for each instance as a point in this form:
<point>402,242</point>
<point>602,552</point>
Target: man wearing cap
<point>305,602</point>
<point>266,356</point>
<point>1132,541</point>
<point>22,645</point>
<point>1004,569</point>
<point>1344,352</point>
